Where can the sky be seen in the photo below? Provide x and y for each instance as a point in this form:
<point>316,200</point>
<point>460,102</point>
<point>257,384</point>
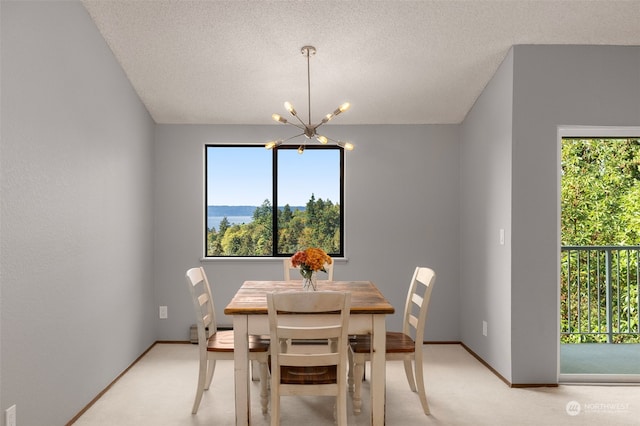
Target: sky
<point>239,176</point>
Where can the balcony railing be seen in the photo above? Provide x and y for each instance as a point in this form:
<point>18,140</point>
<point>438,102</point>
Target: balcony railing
<point>599,297</point>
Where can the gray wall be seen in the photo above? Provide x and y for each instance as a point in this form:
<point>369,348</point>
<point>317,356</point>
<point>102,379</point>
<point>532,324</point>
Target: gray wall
<point>554,86</point>
<point>401,191</point>
<point>510,173</point>
<point>76,170</point>
<point>485,205</point>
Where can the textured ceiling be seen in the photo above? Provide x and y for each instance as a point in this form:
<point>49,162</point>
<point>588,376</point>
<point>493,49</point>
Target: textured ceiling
<point>397,62</point>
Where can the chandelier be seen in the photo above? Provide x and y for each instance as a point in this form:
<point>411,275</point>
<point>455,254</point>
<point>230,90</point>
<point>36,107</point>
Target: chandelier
<point>308,130</point>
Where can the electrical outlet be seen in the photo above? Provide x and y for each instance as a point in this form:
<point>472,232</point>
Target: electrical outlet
<point>10,416</point>
<point>164,314</point>
<point>484,328</point>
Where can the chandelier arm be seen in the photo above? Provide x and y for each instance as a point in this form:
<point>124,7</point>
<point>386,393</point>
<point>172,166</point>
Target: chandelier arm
<point>329,139</point>
<point>345,145</point>
<point>318,125</point>
<point>345,106</point>
<point>297,125</point>
<point>301,122</point>
<point>292,137</point>
<point>275,144</point>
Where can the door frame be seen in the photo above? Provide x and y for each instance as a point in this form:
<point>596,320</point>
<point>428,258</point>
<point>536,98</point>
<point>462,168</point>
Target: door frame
<point>567,131</point>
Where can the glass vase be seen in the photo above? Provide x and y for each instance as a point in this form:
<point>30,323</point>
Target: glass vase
<point>310,283</point>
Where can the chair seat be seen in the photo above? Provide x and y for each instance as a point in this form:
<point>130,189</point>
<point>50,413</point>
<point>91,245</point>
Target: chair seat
<point>396,343</point>
<point>308,375</point>
<point>222,341</point>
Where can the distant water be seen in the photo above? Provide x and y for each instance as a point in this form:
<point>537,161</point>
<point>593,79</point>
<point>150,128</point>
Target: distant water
<point>214,221</point>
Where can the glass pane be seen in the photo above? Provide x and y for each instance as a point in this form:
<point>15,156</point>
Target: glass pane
<point>309,200</point>
<point>239,204</point>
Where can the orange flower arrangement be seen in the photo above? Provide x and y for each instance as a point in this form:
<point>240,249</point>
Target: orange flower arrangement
<point>310,260</point>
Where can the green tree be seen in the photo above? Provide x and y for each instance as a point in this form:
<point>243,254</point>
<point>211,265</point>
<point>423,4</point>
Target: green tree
<point>262,229</point>
<point>600,192</point>
<point>311,209</point>
<point>318,225</point>
<point>224,224</point>
<point>285,216</point>
<point>600,202</point>
<point>214,239</point>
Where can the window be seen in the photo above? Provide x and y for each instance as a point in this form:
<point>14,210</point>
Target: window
<point>272,203</point>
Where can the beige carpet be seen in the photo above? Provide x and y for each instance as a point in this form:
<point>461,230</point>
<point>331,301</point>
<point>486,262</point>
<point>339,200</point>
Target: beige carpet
<point>159,391</point>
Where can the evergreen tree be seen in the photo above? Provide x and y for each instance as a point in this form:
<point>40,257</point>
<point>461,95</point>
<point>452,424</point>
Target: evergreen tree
<point>316,226</point>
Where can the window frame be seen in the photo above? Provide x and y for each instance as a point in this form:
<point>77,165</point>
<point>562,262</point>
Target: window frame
<point>274,197</point>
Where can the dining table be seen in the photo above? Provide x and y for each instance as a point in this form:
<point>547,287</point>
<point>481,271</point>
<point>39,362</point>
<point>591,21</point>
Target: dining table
<point>250,316</point>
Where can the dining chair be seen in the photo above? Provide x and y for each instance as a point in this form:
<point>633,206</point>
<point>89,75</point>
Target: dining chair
<point>309,369</point>
<point>403,346</point>
<point>288,267</point>
<point>216,345</point>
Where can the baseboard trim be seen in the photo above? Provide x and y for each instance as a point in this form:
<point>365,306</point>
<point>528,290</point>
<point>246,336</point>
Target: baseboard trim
<point>501,377</point>
<point>483,362</point>
<point>94,400</point>
<point>534,385</point>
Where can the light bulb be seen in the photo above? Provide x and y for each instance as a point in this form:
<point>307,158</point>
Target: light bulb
<point>346,145</point>
<point>279,118</point>
<point>273,144</point>
<point>290,108</point>
<point>322,139</point>
<point>300,149</point>
<point>345,106</point>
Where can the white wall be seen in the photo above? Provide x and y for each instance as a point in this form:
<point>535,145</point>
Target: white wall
<point>485,205</point>
<point>554,86</point>
<point>76,215</point>
<point>401,192</point>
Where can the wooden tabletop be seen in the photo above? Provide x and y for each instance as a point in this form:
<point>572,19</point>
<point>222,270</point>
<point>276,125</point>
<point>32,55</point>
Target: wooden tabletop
<point>251,298</point>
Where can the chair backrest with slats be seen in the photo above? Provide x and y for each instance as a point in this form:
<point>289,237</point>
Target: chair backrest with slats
<point>288,267</point>
<point>415,311</point>
<point>289,320</point>
<point>202,303</point>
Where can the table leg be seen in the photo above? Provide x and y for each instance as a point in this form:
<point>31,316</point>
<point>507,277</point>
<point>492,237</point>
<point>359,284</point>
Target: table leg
<point>241,369</point>
<point>378,370</point>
